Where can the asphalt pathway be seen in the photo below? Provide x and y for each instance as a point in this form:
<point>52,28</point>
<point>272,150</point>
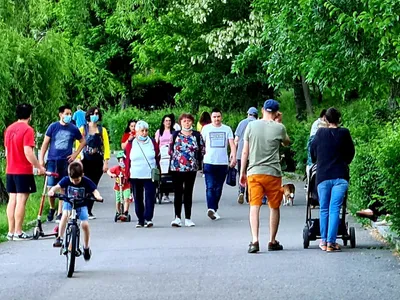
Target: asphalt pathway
<point>209,261</point>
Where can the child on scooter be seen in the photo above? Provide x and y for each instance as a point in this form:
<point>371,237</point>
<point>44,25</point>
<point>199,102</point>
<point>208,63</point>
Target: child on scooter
<point>75,184</point>
<point>122,188</point>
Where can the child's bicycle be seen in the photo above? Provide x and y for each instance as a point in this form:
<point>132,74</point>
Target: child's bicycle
<point>70,247</point>
<point>122,217</point>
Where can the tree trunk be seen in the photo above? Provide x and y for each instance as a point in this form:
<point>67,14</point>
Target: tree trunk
<point>307,97</point>
<point>3,193</point>
<point>394,94</point>
<point>299,100</point>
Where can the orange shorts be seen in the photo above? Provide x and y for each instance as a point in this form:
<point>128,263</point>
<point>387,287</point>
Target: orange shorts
<point>270,186</point>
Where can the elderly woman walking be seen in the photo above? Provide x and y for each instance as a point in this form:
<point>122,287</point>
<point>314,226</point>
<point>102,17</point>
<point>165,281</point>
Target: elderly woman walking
<point>333,150</point>
<point>142,155</point>
<point>187,150</point>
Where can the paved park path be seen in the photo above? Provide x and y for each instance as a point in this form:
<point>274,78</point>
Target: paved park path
<point>209,261</point>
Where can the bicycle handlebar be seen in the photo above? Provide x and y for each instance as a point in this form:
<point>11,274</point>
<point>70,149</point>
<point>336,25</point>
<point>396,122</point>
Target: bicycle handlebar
<point>65,197</point>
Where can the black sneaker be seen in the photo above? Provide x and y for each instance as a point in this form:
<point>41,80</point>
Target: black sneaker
<point>87,253</point>
<point>274,246</point>
<point>148,224</point>
<point>58,218</point>
<point>139,225</point>
<point>58,242</point>
<point>50,215</point>
<point>254,247</point>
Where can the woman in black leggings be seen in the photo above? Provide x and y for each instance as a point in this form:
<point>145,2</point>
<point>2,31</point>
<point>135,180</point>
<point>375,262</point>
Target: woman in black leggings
<point>186,149</point>
<point>96,153</point>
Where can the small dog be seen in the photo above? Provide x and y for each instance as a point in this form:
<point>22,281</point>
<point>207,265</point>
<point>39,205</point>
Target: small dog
<point>289,191</point>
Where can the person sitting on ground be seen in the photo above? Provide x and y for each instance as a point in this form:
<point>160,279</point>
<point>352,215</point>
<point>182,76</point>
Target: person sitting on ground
<point>122,187</point>
<point>129,133</point>
<point>373,211</point>
<point>333,150</point>
<point>75,184</point>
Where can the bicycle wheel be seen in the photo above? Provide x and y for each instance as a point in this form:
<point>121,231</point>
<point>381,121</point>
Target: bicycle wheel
<point>71,247</point>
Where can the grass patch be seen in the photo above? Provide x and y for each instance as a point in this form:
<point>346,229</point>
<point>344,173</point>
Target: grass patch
<point>32,208</point>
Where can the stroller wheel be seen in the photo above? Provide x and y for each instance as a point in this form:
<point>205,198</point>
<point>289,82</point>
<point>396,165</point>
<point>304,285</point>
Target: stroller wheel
<point>352,237</point>
<point>306,237</point>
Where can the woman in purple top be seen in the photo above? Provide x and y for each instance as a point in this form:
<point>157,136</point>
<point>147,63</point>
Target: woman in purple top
<point>163,138</point>
<point>187,150</point>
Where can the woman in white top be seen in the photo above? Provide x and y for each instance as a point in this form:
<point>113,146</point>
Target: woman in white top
<point>142,156</point>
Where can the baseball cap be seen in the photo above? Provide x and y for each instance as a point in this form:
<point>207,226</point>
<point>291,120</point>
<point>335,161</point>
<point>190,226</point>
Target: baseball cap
<point>271,105</point>
<point>120,154</point>
<point>252,111</point>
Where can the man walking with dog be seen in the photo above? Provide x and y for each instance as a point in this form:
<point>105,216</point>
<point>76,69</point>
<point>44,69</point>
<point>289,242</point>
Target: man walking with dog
<point>263,175</point>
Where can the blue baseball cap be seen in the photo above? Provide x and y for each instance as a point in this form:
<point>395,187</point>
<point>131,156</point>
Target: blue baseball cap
<point>252,111</point>
<point>271,105</point>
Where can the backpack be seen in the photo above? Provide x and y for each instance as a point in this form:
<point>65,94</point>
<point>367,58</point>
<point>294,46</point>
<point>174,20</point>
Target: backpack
<point>197,135</point>
<point>94,144</point>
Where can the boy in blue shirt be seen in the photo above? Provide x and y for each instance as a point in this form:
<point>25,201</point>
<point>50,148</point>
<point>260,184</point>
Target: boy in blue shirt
<point>75,184</point>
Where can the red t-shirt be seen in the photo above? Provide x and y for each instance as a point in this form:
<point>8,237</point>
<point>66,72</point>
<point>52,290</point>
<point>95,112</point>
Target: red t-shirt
<point>116,170</point>
<point>17,136</point>
<point>126,136</point>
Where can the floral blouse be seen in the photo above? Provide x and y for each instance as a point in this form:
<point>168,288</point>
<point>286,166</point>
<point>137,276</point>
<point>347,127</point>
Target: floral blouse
<point>185,153</point>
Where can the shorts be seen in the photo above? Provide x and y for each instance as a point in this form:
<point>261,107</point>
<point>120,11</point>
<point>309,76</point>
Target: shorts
<point>81,212</point>
<point>125,193</point>
<point>20,184</point>
<point>57,166</point>
<point>261,185</point>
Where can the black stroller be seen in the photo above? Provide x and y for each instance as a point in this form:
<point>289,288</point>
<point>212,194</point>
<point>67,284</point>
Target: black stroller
<point>311,231</point>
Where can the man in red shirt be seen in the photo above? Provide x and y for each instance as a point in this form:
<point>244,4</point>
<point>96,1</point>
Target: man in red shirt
<point>19,140</point>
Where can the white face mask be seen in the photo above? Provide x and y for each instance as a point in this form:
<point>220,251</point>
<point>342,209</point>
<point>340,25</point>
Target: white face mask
<point>187,129</point>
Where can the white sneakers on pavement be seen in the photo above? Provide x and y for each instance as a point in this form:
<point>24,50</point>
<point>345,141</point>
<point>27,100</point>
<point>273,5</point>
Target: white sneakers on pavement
<point>189,223</point>
<point>176,223</point>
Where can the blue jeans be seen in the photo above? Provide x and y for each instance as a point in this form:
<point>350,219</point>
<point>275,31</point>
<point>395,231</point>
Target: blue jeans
<point>144,206</point>
<point>215,178</point>
<point>331,194</point>
<point>81,212</point>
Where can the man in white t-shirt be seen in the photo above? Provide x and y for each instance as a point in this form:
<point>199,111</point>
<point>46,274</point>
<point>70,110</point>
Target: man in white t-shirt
<point>217,136</point>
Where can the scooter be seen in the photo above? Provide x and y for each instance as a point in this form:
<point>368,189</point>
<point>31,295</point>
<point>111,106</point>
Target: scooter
<point>122,217</point>
<point>38,230</point>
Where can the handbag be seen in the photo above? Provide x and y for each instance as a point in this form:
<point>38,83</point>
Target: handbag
<point>231,177</point>
<point>155,172</point>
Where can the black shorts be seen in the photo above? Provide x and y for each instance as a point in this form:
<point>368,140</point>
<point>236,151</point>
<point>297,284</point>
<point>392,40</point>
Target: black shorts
<point>21,184</point>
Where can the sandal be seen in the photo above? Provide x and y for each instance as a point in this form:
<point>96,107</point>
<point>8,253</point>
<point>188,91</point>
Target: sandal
<point>334,247</point>
<point>322,246</point>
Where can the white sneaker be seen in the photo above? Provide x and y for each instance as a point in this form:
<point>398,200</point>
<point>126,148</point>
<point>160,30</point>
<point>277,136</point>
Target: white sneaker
<point>10,236</point>
<point>176,223</point>
<point>189,223</point>
<point>211,214</point>
<point>217,216</point>
<point>92,217</point>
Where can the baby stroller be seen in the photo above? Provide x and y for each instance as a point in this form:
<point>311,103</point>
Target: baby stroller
<point>311,231</point>
<point>165,185</point>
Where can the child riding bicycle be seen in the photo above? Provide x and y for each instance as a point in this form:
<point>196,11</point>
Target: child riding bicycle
<point>122,188</point>
<point>75,185</point>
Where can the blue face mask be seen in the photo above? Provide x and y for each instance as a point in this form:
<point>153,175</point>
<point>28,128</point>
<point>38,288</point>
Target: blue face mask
<point>121,164</point>
<point>94,118</point>
<point>67,119</point>
<point>142,138</point>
